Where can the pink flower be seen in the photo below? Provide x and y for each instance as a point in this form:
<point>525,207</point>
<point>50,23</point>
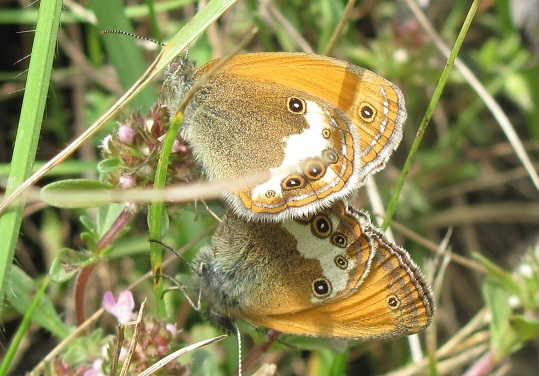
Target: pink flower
<point>123,308</point>
<point>96,369</point>
<point>126,181</point>
<point>126,134</point>
<point>172,329</point>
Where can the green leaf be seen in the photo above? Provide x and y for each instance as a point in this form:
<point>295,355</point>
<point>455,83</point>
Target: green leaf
<point>83,348</point>
<point>497,299</point>
<point>518,89</point>
<point>91,242</point>
<point>508,331</point>
<point>20,295</point>
<point>68,263</point>
<point>106,216</point>
<point>52,193</point>
<point>503,277</point>
<point>108,165</point>
<point>88,224</point>
<point>524,327</point>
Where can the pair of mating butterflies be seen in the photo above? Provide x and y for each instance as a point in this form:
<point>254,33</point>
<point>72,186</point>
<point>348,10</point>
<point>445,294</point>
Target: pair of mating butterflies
<point>290,255</point>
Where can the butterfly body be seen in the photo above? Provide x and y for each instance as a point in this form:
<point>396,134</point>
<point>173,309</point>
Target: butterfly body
<point>331,274</point>
<point>314,126</point>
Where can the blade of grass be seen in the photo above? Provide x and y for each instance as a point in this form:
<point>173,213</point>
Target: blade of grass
<point>175,46</point>
<point>29,128</point>
<point>28,16</point>
<point>27,319</point>
<point>428,114</point>
<point>486,97</point>
<point>156,31</point>
<point>157,212</point>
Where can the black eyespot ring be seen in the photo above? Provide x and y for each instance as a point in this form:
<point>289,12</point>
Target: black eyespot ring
<point>341,262</point>
<point>367,112</point>
<point>321,288</point>
<point>326,133</point>
<point>393,302</point>
<point>321,226</point>
<point>293,182</point>
<point>296,105</point>
<point>330,156</point>
<point>339,240</point>
<point>313,169</point>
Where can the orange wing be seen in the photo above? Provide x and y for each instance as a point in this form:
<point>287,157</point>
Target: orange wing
<point>392,300</point>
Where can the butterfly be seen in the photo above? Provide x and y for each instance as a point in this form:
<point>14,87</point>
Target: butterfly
<point>314,127</point>
<point>331,274</point>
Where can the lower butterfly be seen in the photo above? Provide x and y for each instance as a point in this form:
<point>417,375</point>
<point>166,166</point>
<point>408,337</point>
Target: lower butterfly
<point>331,274</point>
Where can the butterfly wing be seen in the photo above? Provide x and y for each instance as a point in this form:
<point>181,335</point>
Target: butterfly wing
<point>373,104</point>
<point>315,125</point>
<point>276,269</point>
<point>330,274</point>
<point>393,300</point>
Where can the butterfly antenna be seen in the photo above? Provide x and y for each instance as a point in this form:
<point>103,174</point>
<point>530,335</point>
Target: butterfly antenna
<point>238,334</point>
<point>120,32</point>
<point>197,306</point>
<point>171,249</point>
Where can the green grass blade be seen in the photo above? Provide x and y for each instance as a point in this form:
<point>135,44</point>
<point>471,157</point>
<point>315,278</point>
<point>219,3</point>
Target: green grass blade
<point>428,114</point>
<point>156,214</point>
<point>29,128</point>
<point>27,319</point>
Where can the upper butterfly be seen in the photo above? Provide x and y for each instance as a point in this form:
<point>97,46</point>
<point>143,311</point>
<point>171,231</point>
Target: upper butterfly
<point>317,127</point>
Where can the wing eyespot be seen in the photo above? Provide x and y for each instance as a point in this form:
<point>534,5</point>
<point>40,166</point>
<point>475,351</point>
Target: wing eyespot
<point>313,169</point>
<point>321,287</point>
<point>296,105</point>
<point>394,302</point>
<point>321,226</point>
<point>341,262</point>
<point>330,156</point>
<point>293,182</point>
<point>339,240</point>
<point>270,193</point>
<point>367,112</point>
